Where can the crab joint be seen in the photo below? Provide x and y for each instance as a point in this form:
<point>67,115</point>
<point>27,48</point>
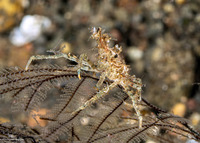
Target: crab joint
<point>79,73</point>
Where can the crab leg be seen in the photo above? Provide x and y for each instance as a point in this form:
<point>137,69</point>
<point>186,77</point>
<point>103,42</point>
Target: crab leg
<point>99,95</point>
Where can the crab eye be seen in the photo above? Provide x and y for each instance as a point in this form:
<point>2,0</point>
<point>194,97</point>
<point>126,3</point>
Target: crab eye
<point>98,29</point>
<point>115,56</point>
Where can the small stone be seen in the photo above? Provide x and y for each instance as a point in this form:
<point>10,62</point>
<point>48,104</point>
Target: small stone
<point>179,109</point>
<point>65,47</point>
<point>174,76</point>
<point>30,29</point>
<point>180,2</point>
<point>195,118</point>
<point>85,120</point>
<point>168,8</point>
<point>135,53</point>
<point>10,13</point>
<point>157,54</point>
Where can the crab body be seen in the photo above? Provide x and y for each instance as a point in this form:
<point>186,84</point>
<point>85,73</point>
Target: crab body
<point>112,65</point>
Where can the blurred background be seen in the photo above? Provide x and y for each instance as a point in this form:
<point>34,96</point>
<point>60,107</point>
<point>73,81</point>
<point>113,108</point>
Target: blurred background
<point>160,40</point>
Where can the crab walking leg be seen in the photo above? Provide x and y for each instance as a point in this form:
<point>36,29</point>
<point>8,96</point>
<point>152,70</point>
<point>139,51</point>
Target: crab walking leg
<point>99,95</point>
<point>83,64</point>
<point>101,80</point>
<point>135,106</point>
<point>137,112</point>
<point>137,85</point>
<point>45,57</point>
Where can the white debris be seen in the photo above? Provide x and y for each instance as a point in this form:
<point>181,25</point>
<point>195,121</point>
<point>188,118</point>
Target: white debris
<point>135,53</point>
<point>30,29</point>
<point>191,141</point>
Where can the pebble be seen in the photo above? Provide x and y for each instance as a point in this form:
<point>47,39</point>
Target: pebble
<point>195,118</point>
<point>179,109</point>
<point>180,2</point>
<point>135,53</point>
<point>169,8</point>
<point>10,13</point>
<point>29,30</point>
